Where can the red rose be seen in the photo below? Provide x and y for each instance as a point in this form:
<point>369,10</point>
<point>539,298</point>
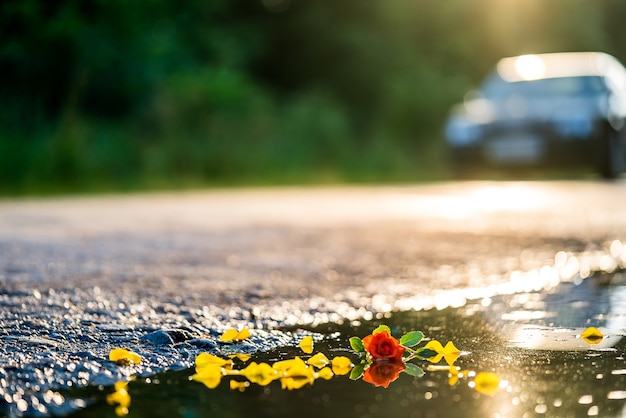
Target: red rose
<point>383,346</point>
<point>383,373</point>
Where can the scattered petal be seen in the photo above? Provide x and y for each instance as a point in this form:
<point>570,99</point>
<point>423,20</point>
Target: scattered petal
<point>124,357</point>
<point>120,397</point>
<point>451,353</point>
<point>297,375</point>
<point>306,345</point>
<point>261,374</point>
<point>240,386</point>
<point>341,365</point>
<point>592,335</point>
<point>206,359</point>
<point>284,365</point>
<point>240,356</point>
<point>234,335</point>
<point>326,373</point>
<point>455,375</point>
<point>435,346</point>
<point>209,375</point>
<point>319,360</point>
<point>487,383</point>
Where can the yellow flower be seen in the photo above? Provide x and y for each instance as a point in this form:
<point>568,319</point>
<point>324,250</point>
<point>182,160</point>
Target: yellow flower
<point>306,345</point>
<point>261,374</point>
<point>121,398</point>
<point>319,360</point>
<point>592,335</point>
<point>240,386</point>
<point>341,365</point>
<point>124,357</point>
<point>325,373</point>
<point>205,359</point>
<point>487,383</point>
<point>209,375</point>
<point>234,335</point>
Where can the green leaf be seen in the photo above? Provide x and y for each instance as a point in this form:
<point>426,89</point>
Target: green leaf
<point>382,328</point>
<point>357,371</point>
<point>425,353</point>
<point>411,339</point>
<point>357,344</point>
<point>413,370</point>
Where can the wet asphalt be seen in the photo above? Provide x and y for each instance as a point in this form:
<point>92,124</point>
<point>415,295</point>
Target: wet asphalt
<point>165,274</point>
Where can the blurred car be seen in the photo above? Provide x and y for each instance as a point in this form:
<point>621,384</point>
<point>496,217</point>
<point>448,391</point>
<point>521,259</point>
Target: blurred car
<point>545,109</point>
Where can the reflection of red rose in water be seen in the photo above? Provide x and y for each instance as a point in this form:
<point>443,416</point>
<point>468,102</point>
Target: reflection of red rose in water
<point>383,373</point>
<point>383,346</point>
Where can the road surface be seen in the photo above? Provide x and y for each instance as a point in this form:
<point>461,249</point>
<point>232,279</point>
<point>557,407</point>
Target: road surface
<point>165,273</point>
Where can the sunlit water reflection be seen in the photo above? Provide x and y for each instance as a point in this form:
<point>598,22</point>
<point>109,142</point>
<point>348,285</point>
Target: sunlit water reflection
<point>531,340</point>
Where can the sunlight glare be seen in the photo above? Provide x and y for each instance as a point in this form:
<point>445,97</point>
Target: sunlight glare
<point>530,67</point>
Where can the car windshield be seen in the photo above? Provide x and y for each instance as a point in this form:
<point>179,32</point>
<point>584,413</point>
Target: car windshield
<point>497,88</point>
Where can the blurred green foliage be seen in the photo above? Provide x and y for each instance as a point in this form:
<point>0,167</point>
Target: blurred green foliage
<point>127,94</point>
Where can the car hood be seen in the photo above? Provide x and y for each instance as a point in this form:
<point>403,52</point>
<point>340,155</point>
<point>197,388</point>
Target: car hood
<point>519,108</point>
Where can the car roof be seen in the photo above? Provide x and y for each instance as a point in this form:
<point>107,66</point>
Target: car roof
<point>555,65</point>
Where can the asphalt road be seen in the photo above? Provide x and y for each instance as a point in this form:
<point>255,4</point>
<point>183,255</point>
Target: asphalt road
<point>165,273</point>
<point>275,244</point>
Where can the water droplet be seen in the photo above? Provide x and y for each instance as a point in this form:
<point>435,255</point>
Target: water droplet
<point>593,411</point>
<point>616,394</point>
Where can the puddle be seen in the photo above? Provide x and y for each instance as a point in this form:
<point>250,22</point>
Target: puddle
<point>530,342</point>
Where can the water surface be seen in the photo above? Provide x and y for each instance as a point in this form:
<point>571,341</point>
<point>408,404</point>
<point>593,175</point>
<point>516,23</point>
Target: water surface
<point>531,341</point>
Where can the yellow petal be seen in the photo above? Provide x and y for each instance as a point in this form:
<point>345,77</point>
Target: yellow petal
<point>261,374</point>
<point>592,335</point>
<point>240,356</point>
<point>124,357</point>
<point>121,385</point>
<point>453,379</point>
<point>454,375</point>
<point>240,386</point>
<point>451,349</point>
<point>210,376</point>
<point>325,373</point>
<point>291,383</point>
<point>120,397</point>
<point>341,365</point>
<point>206,359</point>
<point>487,383</point>
<point>451,353</point>
<point>243,334</point>
<point>283,365</point>
<point>300,369</point>
<point>306,344</point>
<point>234,335</point>
<point>435,346</point>
<point>319,360</point>
<point>121,411</point>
